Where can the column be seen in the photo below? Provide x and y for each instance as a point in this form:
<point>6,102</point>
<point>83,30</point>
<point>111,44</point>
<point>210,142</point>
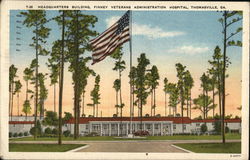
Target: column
<point>161,129</point>
<point>172,130</point>
<point>90,127</point>
<point>153,128</point>
<point>118,126</point>
<point>144,128</point>
<point>101,129</point>
<point>109,129</point>
<point>127,128</point>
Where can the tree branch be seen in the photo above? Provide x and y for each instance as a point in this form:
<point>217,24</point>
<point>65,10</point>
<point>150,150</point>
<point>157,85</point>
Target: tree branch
<point>233,34</point>
<point>232,22</point>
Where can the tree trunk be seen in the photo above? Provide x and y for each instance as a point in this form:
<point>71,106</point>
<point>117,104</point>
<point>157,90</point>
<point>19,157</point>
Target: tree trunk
<point>187,104</point>
<point>54,97</point>
<point>12,101</point>
<point>213,101</point>
<point>133,106</point>
<point>116,103</point>
<point>36,83</point>
<point>207,109</point>
<point>121,104</point>
<point>96,110</point>
<point>224,76</point>
<point>204,105</point>
<point>141,113</point>
<point>83,103</point>
<point>151,104</point>
<point>27,88</point>
<point>154,102</point>
<point>138,106</point>
<point>165,104</point>
<point>190,105</point>
<point>182,104</point>
<point>18,104</point>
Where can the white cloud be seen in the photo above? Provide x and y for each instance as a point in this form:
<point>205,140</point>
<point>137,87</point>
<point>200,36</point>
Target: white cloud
<point>110,21</point>
<point>146,30</point>
<point>153,32</point>
<point>191,50</point>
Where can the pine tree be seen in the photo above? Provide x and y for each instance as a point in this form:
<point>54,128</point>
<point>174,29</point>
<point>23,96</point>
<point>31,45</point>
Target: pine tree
<point>120,66</point>
<point>18,87</point>
<point>12,76</point>
<point>28,74</point>
<point>228,18</point>
<point>36,19</point>
<point>141,83</point>
<point>152,80</point>
<point>79,33</point>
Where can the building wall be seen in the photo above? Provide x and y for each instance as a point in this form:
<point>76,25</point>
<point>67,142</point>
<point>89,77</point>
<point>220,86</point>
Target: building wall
<point>17,128</point>
<point>23,118</point>
<point>234,127</point>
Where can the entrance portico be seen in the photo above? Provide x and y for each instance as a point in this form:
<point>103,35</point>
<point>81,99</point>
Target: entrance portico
<point>118,128</point>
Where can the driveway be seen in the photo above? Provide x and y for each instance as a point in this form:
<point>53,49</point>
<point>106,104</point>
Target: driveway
<point>138,146</point>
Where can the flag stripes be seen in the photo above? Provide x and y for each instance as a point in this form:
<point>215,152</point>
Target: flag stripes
<point>109,40</point>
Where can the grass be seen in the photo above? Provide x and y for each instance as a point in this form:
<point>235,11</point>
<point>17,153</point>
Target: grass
<point>212,147</point>
<point>110,138</point>
<point>42,147</point>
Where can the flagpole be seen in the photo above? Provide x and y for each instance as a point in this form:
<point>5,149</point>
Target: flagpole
<point>130,48</point>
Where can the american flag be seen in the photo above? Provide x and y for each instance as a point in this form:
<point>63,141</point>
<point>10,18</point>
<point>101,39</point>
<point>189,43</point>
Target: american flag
<point>109,40</point>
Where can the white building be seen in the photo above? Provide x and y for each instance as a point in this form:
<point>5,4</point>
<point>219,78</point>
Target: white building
<point>116,126</point>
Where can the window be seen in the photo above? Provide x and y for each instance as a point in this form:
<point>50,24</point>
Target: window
<point>156,126</point>
<point>87,126</point>
<point>112,126</point>
<point>184,127</point>
<point>197,124</point>
<point>174,126</point>
<point>148,126</point>
<point>95,127</point>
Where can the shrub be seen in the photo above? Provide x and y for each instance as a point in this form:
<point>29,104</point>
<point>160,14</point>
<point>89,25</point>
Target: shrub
<point>10,134</point>
<point>25,133</point>
<point>226,129</point>
<point>20,134</point>
<point>48,130</point>
<point>203,128</point>
<point>55,131</point>
<point>217,126</point>
<point>66,133</point>
<point>32,131</point>
<point>15,135</point>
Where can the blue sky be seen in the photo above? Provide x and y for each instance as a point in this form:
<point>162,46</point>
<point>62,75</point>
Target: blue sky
<point>167,37</point>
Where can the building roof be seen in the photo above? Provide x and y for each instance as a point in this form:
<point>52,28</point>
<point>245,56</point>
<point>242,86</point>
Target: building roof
<point>213,120</point>
<point>21,122</point>
<point>176,120</point>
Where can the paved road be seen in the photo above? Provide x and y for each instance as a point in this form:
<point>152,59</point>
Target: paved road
<point>129,146</point>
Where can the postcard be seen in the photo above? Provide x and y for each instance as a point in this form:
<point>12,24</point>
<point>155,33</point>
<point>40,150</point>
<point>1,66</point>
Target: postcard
<point>124,80</point>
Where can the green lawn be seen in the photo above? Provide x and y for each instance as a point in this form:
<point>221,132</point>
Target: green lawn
<point>42,147</point>
<point>109,138</point>
<point>212,147</point>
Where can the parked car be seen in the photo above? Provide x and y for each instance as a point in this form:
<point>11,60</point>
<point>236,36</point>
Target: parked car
<point>141,133</point>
